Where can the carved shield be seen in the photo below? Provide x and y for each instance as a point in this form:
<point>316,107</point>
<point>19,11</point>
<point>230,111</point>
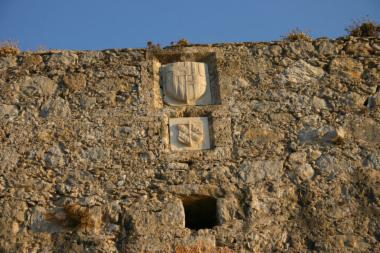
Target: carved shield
<point>190,134</point>
<point>185,81</point>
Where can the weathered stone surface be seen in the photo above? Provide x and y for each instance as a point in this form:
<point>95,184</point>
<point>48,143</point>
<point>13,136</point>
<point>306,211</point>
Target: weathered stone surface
<point>326,47</point>
<point>373,159</point>
<point>297,158</point>
<point>201,247</point>
<point>75,82</point>
<point>331,166</point>
<point>8,112</point>
<point>292,161</point>
<point>2,184</point>
<point>39,222</point>
<point>325,134</point>
<point>62,60</point>
<point>332,134</point>
<point>319,104</point>
<point>367,130</point>
<point>7,62</point>
<point>302,72</point>
<point>372,76</point>
<point>38,86</point>
<point>8,158</point>
<point>55,108</point>
<point>305,171</point>
<point>262,135</point>
<point>32,61</point>
<point>346,68</point>
<point>252,172</point>
<point>373,102</point>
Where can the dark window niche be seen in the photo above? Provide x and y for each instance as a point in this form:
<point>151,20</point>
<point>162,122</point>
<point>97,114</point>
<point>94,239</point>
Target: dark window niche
<point>200,212</point>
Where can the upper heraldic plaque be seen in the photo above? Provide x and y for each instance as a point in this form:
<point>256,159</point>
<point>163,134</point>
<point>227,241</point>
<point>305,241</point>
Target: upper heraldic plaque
<point>186,83</point>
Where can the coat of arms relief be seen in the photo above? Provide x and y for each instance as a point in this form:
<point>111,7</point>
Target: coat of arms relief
<point>190,133</point>
<point>186,83</point>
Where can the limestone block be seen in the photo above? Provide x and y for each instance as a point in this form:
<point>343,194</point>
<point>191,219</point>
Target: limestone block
<point>190,133</point>
<point>302,72</point>
<point>373,102</point>
<point>31,60</point>
<point>58,108</point>
<point>8,158</point>
<point>8,62</point>
<point>222,132</point>
<point>186,83</point>
<point>227,207</point>
<point>62,60</point>
<point>366,130</point>
<point>39,222</point>
<point>38,86</point>
<point>252,172</point>
<point>305,171</point>
<point>75,82</point>
<point>8,111</point>
<point>346,68</point>
<point>319,104</point>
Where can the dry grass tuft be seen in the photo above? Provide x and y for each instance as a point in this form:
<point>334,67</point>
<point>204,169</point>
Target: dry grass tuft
<point>364,28</point>
<point>297,34</point>
<point>80,216</point>
<point>180,43</point>
<point>9,48</point>
<point>74,216</point>
<point>151,45</point>
<point>183,42</point>
<point>41,48</point>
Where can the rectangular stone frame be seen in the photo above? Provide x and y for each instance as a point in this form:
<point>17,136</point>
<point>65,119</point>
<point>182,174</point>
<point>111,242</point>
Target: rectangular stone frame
<point>163,57</point>
<point>217,113</point>
<point>177,146</point>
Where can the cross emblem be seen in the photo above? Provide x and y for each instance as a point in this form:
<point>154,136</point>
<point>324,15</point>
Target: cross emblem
<point>190,134</point>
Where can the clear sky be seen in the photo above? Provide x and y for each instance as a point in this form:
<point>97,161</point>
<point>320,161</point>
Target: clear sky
<point>100,24</point>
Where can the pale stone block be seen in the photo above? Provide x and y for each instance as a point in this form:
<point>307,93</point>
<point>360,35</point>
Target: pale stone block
<point>190,133</point>
<point>186,83</point>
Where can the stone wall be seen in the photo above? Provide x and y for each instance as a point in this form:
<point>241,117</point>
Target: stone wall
<point>86,162</point>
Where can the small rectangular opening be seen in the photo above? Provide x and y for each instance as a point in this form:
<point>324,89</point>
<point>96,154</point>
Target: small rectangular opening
<point>200,212</point>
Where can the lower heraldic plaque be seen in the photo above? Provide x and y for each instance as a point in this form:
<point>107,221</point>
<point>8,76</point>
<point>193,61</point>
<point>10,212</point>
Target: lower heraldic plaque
<point>190,133</point>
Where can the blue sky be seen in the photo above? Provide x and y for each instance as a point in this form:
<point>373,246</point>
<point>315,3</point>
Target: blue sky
<point>100,24</point>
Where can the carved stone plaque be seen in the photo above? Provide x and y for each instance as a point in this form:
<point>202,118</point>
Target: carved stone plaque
<point>189,133</point>
<point>186,83</point>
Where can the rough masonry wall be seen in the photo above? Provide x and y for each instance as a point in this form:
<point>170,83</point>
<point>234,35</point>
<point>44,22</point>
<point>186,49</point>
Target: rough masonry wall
<point>294,164</point>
